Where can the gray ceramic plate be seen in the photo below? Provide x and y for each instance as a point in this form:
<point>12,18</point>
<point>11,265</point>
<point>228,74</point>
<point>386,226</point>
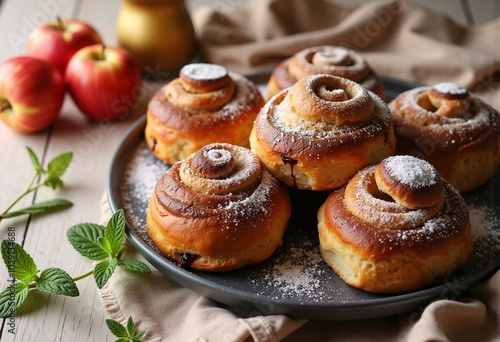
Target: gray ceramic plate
<point>294,281</point>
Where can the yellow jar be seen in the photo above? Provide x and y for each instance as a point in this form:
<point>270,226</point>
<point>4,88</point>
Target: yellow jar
<point>158,33</point>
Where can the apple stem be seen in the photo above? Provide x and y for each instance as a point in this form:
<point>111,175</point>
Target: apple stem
<point>4,106</point>
<point>60,23</point>
<point>102,56</point>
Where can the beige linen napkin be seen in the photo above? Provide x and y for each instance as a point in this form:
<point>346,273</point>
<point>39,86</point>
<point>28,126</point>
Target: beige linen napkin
<point>399,40</point>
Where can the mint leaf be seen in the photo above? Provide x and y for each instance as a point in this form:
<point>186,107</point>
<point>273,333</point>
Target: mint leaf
<point>8,250</point>
<point>41,207</point>
<point>134,265</point>
<point>124,334</point>
<point>17,291</point>
<point>18,262</point>
<point>103,271</point>
<point>35,162</point>
<point>115,232</point>
<point>84,238</point>
<point>56,168</point>
<point>105,244</point>
<point>130,327</point>
<point>116,328</point>
<point>139,336</point>
<point>54,280</point>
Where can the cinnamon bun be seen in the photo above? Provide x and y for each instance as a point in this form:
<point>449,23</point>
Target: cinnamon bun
<point>382,233</point>
<point>206,104</point>
<point>450,128</point>
<point>331,60</point>
<point>317,134</point>
<point>218,210</point>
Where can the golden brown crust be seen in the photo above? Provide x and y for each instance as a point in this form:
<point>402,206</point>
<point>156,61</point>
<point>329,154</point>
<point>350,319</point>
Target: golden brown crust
<point>455,131</point>
<point>205,104</point>
<point>218,217</point>
<point>378,245</point>
<point>319,133</point>
<point>330,60</point>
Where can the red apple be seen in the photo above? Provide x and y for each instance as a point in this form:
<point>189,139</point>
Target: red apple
<point>57,42</point>
<point>31,93</point>
<point>104,82</point>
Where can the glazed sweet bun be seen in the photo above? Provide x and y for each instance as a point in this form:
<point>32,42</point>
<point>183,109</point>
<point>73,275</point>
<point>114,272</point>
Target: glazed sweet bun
<point>317,134</point>
<point>218,210</point>
<point>205,104</point>
<point>395,227</point>
<point>450,128</point>
<point>328,59</point>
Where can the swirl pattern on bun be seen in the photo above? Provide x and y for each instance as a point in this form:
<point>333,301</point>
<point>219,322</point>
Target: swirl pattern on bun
<point>218,210</point>
<point>317,134</point>
<point>205,104</point>
<point>382,233</point>
<point>450,128</point>
<point>328,59</point>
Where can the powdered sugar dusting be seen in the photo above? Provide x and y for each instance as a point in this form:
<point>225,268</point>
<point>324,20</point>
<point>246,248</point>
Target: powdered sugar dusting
<point>449,88</point>
<point>332,56</point>
<point>218,156</point>
<point>411,171</point>
<point>204,71</point>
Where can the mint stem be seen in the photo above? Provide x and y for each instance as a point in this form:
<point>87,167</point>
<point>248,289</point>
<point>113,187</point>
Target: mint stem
<point>85,275</point>
<point>29,189</point>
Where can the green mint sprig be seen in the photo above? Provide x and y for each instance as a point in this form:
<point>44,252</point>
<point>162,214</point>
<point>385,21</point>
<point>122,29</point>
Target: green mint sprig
<point>49,177</point>
<point>125,334</point>
<point>104,244</point>
<point>23,269</point>
<point>96,242</point>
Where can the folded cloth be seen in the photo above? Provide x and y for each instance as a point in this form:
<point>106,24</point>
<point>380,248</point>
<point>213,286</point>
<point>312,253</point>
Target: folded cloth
<point>397,38</point>
<point>168,311</point>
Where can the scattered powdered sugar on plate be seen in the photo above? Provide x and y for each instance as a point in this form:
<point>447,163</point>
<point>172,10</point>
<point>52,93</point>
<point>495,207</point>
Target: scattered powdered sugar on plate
<point>139,179</point>
<point>485,227</point>
<point>299,273</point>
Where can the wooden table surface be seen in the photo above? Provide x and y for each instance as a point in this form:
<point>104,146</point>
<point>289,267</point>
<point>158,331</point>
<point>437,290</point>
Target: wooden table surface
<point>57,318</point>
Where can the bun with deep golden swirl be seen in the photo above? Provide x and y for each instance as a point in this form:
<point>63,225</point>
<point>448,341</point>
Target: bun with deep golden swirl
<point>381,233</point>
<point>450,128</point>
<point>206,104</point>
<point>317,134</point>
<point>330,60</point>
<point>218,210</point>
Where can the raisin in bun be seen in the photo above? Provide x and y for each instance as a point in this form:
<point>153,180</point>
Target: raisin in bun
<point>218,210</point>
<point>317,134</point>
<point>450,128</point>
<point>395,227</point>
<point>330,60</point>
<point>205,104</point>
